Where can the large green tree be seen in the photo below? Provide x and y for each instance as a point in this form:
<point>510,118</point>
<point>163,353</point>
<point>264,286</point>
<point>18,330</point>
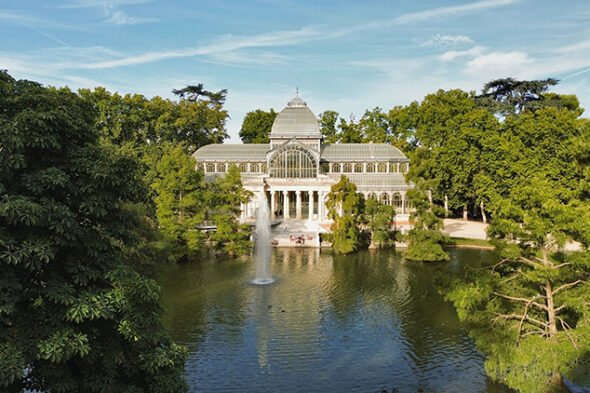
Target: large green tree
<point>379,218</point>
<point>226,197</point>
<point>257,125</point>
<point>345,207</point>
<point>180,204</point>
<point>73,315</point>
<point>530,311</point>
<point>425,239</point>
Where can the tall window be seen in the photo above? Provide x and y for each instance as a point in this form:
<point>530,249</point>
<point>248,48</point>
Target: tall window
<point>382,167</point>
<point>293,161</point>
<point>210,167</point>
<point>243,167</point>
<point>358,168</point>
<point>347,168</point>
<point>370,168</point>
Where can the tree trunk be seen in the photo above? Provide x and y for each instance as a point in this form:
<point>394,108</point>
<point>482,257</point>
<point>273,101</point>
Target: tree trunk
<point>483,213</point>
<point>446,206</point>
<point>465,213</point>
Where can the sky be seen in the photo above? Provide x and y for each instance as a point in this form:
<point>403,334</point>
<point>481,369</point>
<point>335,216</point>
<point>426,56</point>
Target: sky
<point>347,56</point>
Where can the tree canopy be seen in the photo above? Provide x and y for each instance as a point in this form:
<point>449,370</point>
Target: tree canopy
<point>257,125</point>
<point>73,315</point>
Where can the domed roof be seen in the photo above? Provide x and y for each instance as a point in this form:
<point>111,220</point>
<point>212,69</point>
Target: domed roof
<point>296,121</point>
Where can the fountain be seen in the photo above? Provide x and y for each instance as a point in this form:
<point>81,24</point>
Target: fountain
<point>262,243</point>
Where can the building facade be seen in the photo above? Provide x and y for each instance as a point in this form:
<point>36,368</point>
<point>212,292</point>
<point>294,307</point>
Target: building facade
<point>296,170</point>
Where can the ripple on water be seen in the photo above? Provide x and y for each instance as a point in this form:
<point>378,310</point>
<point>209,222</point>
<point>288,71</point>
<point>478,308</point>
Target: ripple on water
<point>355,324</point>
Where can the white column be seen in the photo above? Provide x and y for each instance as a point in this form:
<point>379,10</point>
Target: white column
<point>286,204</point>
<point>364,167</point>
<point>226,166</point>
<point>298,205</point>
<point>398,167</point>
<point>387,167</point>
<point>320,205</point>
<point>273,206</point>
<point>310,214</point>
<point>404,203</point>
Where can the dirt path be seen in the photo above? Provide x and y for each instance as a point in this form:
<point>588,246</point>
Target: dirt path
<point>466,229</point>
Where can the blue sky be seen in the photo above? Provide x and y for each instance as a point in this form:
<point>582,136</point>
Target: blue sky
<point>347,56</point>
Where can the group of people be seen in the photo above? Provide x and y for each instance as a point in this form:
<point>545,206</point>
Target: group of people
<point>300,239</point>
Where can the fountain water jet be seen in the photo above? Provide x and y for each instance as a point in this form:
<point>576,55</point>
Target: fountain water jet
<point>262,243</point>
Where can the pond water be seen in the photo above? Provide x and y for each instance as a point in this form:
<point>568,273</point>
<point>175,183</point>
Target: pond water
<point>369,322</point>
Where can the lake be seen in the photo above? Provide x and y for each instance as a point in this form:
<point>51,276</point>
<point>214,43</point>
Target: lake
<point>368,322</point>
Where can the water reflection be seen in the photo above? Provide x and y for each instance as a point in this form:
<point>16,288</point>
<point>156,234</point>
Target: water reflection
<point>358,323</point>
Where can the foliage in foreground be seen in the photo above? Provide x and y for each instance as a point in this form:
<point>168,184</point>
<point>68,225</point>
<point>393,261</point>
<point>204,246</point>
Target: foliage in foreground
<point>73,316</point>
<point>530,312</point>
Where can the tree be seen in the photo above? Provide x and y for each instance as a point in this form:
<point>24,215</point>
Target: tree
<point>257,125</point>
<point>529,312</point>
<point>345,206</point>
<point>510,96</point>
<point>379,218</point>
<point>74,317</point>
<point>328,126</point>
<point>226,197</point>
<point>141,121</point>
<point>193,92</point>
<point>179,202</point>
<point>425,239</point>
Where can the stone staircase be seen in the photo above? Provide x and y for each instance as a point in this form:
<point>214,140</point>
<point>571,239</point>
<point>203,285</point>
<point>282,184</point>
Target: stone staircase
<point>295,233</point>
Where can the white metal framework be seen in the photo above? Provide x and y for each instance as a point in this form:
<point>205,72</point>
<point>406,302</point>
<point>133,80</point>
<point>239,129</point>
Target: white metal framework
<point>293,161</point>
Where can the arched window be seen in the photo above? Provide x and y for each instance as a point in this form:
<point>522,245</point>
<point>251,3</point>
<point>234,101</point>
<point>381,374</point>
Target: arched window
<point>358,168</point>
<point>397,202</point>
<point>254,168</point>
<point>403,168</point>
<point>384,199</point>
<point>210,167</point>
<point>372,195</point>
<point>200,167</point>
<point>293,161</point>
<point>347,168</point>
<point>263,167</point>
<point>393,167</point>
<point>382,167</point>
<point>370,168</point>
<point>243,167</point>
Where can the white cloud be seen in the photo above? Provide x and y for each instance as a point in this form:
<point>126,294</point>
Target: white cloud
<point>497,64</point>
<point>447,40</point>
<point>452,10</point>
<point>102,3</point>
<point>224,44</point>
<point>118,17</point>
<point>454,54</point>
<point>574,47</point>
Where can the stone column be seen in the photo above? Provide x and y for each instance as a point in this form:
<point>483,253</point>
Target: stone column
<point>404,203</point>
<point>364,167</point>
<point>273,206</point>
<point>387,168</point>
<point>320,205</point>
<point>398,167</point>
<point>286,204</point>
<point>298,205</point>
<point>310,214</point>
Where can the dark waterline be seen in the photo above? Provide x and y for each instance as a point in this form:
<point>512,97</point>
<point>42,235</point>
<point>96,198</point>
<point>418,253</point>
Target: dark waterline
<point>358,323</point>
